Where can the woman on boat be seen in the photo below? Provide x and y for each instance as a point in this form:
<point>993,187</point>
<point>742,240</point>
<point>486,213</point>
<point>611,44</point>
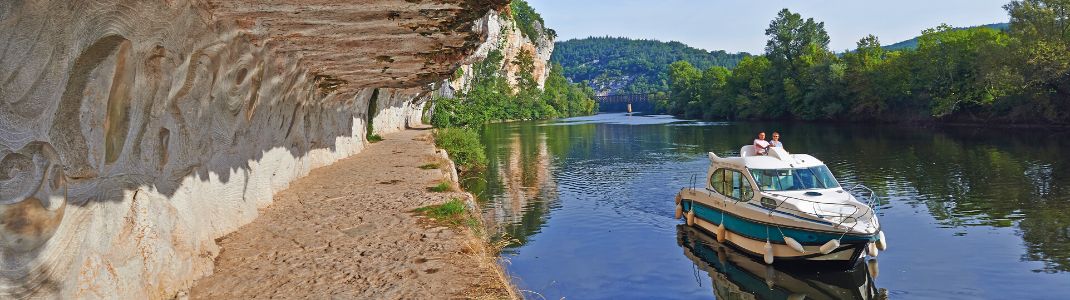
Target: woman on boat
<point>776,141</point>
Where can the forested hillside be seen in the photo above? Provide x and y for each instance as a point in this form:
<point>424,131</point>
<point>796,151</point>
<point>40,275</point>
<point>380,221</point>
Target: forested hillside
<point>913,43</point>
<point>623,65</point>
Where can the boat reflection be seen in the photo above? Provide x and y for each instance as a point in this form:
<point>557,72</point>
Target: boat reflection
<point>735,275</point>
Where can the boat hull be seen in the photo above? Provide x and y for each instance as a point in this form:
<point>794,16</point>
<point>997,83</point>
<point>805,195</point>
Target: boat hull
<point>734,273</point>
<point>749,227</point>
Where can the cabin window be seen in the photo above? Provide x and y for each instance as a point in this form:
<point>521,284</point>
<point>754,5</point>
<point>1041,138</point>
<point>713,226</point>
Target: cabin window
<point>737,186</point>
<point>745,188</point>
<point>717,181</point>
<point>731,183</point>
<point>817,177</point>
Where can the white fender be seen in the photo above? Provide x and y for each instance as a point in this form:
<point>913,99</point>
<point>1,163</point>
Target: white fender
<point>768,253</point>
<point>829,246</point>
<point>882,243</point>
<point>797,297</point>
<point>794,244</point>
<point>873,269</point>
<point>691,217</point>
<point>722,233</point>
<point>871,249</point>
<point>679,211</point>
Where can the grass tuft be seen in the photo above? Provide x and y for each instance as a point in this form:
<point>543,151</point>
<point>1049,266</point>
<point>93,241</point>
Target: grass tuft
<point>441,187</point>
<point>375,138</point>
<point>450,213</point>
<point>430,166</point>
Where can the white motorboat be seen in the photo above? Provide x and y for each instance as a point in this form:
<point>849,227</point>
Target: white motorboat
<point>783,206</point>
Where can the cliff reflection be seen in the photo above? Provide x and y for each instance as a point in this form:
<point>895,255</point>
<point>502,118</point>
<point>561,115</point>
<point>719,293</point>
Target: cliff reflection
<point>517,190</point>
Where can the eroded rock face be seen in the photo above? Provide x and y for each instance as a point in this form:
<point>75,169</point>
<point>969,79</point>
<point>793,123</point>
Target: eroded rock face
<point>134,133</point>
<point>504,35</point>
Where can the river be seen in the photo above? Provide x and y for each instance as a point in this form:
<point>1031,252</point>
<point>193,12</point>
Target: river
<point>587,207</point>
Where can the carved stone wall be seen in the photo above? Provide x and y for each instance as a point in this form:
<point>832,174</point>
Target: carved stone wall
<point>135,133</point>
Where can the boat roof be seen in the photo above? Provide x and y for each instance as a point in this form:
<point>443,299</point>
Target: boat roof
<point>777,158</point>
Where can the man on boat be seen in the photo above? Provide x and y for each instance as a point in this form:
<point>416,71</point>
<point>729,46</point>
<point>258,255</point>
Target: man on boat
<point>760,145</point>
<point>776,141</point>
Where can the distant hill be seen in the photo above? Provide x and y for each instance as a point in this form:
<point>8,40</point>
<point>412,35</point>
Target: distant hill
<point>623,65</point>
<point>913,43</point>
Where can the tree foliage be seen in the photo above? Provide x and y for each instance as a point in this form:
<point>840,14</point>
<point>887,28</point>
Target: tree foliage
<point>529,21</point>
<point>491,98</point>
<point>978,74</point>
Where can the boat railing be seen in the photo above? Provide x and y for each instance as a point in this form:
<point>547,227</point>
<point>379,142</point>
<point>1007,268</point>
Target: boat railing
<point>845,212</point>
<point>865,195</point>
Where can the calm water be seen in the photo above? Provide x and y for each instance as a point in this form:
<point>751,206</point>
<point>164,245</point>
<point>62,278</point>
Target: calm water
<point>588,204</point>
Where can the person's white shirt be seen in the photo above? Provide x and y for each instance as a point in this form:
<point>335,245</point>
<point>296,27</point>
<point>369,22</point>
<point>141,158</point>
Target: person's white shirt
<point>776,144</point>
<point>760,146</point>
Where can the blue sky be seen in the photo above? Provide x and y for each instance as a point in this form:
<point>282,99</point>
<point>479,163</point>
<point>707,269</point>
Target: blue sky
<point>740,25</point>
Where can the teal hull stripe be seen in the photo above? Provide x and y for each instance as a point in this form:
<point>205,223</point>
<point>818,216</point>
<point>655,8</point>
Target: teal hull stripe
<point>758,231</point>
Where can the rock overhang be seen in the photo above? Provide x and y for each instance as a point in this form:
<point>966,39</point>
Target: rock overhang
<point>361,44</point>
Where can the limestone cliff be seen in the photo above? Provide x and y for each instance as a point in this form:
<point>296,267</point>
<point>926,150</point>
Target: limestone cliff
<point>134,133</point>
<point>505,35</point>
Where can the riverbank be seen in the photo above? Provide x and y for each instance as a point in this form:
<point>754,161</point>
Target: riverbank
<point>348,230</point>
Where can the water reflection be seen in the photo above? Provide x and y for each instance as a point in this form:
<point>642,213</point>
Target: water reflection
<point>588,201</point>
<point>523,185</point>
<point>734,275</point>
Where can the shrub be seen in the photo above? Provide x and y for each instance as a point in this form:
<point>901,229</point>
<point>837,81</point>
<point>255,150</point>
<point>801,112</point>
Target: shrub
<point>463,146</point>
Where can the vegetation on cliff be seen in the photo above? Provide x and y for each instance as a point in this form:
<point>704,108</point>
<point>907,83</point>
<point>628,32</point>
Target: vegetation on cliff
<point>977,74</point>
<point>529,21</point>
<point>491,98</point>
<point>623,65</point>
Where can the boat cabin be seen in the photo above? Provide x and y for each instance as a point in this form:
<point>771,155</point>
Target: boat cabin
<point>777,171</point>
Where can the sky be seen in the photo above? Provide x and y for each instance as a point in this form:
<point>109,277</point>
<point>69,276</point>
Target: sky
<point>736,26</point>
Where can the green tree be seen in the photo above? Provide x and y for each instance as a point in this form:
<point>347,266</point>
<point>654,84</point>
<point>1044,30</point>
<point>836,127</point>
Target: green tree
<point>683,82</point>
<point>790,38</point>
<point>1042,28</point>
<point>863,64</point>
<point>748,87</point>
<point>954,68</point>
<point>803,68</point>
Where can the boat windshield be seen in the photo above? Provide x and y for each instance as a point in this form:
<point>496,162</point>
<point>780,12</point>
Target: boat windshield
<point>810,178</point>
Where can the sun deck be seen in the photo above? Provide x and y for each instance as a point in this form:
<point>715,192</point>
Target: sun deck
<point>777,158</point>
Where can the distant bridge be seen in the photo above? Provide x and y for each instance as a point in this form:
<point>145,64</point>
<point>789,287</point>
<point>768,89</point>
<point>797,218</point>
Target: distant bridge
<point>628,102</point>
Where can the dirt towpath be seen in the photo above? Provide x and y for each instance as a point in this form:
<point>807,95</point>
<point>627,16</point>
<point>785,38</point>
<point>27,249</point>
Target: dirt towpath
<point>346,231</point>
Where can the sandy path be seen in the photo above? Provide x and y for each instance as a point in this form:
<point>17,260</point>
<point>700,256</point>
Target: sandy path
<point>345,231</point>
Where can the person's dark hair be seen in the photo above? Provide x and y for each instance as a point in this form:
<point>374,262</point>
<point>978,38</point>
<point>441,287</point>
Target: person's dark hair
<point>761,133</point>
<point>774,132</point>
